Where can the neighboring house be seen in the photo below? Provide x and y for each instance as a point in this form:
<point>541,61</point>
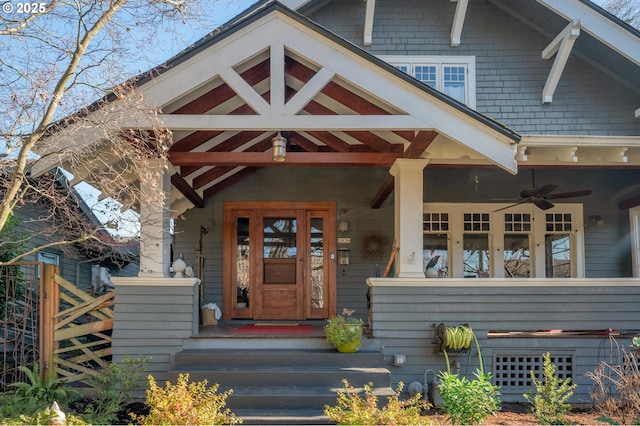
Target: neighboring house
<point>499,139</point>
<point>80,264</point>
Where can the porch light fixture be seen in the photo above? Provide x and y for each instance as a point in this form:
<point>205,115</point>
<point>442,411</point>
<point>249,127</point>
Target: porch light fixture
<point>279,148</point>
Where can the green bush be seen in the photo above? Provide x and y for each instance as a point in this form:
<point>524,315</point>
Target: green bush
<point>468,402</point>
<point>115,385</point>
<point>40,417</point>
<point>186,404</point>
<point>29,402</point>
<point>549,400</point>
<point>38,393</point>
<point>352,409</point>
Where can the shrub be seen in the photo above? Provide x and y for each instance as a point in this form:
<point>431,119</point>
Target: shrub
<point>115,384</point>
<point>549,400</point>
<point>38,393</point>
<point>352,409</point>
<point>40,417</point>
<point>186,404</point>
<point>616,391</point>
<point>29,402</point>
<point>468,402</point>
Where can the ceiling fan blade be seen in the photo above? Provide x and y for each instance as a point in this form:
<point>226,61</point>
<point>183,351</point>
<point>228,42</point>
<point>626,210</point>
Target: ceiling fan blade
<point>547,189</point>
<point>537,192</point>
<point>569,194</point>
<point>512,205</point>
<point>543,204</point>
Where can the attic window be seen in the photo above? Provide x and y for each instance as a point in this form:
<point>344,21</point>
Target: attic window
<point>452,75</point>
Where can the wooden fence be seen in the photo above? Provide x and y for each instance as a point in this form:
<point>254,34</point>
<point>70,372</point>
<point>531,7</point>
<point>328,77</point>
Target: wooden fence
<point>75,330</point>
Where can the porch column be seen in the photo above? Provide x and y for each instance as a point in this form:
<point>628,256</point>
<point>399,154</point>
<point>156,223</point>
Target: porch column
<point>155,240</point>
<point>408,199</point>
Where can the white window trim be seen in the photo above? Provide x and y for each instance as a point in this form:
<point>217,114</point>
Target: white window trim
<point>496,233</point>
<point>49,258</point>
<point>439,61</point>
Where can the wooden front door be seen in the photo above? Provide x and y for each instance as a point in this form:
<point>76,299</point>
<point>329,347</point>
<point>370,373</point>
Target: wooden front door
<point>279,260</point>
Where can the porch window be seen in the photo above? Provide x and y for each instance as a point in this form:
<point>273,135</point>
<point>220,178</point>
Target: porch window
<point>435,251</point>
<point>452,75</point>
<point>476,245</point>
<point>516,253</point>
<point>520,242</point>
<point>557,245</point>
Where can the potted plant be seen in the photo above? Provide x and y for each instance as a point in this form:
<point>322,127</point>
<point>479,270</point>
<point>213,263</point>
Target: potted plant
<point>344,331</point>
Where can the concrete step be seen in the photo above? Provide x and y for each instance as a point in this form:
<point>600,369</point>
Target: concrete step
<point>234,377</point>
<point>211,358</point>
<point>284,381</point>
<point>283,417</point>
<point>289,398</point>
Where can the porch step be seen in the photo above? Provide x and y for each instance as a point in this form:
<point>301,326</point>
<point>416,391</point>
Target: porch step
<point>271,386</point>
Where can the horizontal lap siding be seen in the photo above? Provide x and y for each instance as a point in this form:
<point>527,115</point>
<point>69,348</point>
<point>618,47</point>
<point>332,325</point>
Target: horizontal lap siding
<point>402,318</point>
<point>153,320</point>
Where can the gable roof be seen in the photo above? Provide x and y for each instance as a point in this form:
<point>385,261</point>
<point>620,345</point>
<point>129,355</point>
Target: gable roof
<point>273,70</point>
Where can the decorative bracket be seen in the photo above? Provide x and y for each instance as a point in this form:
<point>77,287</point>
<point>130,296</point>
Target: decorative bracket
<point>458,21</point>
<point>561,47</point>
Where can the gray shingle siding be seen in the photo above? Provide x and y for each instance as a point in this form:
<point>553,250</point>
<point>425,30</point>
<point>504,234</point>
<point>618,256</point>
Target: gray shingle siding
<point>607,247</point>
<point>510,73</point>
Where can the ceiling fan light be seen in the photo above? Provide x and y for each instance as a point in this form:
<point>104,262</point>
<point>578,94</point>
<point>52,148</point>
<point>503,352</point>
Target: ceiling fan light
<point>279,145</point>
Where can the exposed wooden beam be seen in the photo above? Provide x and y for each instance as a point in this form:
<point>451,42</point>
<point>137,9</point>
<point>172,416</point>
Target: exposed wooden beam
<point>458,21</point>
<point>370,139</point>
<point>186,190</point>
<point>262,159</point>
<point>216,172</point>
<point>223,93</point>
<point>231,144</point>
<point>415,150</point>
<point>560,46</point>
<point>331,140</point>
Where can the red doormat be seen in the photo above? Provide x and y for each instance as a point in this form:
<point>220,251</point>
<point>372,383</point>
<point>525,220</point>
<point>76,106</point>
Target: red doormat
<point>274,329</point>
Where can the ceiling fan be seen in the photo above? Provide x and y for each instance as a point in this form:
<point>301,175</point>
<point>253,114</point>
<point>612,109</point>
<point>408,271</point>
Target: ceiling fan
<point>541,196</point>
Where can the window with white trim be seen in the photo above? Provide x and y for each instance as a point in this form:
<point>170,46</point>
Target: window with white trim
<point>479,240</point>
<point>452,75</point>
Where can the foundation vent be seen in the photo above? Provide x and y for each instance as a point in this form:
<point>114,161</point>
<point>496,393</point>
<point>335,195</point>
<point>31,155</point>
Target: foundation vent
<point>512,371</point>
